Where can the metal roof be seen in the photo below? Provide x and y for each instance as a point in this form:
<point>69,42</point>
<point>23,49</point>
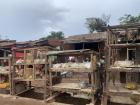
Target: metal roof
<point>95,37</point>
<point>70,52</point>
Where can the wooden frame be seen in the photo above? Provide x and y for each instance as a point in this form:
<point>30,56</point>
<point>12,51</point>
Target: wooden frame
<point>67,87</point>
<point>38,62</point>
<point>111,56</point>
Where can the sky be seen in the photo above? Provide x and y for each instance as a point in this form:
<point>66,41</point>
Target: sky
<point>24,20</point>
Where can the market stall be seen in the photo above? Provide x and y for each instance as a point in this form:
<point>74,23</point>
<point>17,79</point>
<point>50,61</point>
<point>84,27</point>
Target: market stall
<point>78,72</point>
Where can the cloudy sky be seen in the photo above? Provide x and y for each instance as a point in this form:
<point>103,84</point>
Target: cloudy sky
<point>31,19</point>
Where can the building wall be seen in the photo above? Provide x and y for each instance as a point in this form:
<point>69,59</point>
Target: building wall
<point>55,42</point>
<point>68,47</point>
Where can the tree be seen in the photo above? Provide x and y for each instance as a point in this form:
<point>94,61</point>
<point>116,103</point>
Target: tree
<point>129,19</point>
<point>96,23</point>
<point>54,35</point>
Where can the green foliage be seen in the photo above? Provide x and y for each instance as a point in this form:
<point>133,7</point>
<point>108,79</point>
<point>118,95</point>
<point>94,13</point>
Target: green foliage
<point>129,19</point>
<point>96,24</point>
<point>54,35</point>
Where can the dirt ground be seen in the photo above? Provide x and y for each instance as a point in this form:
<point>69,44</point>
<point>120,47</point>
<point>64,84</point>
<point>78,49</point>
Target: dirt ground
<point>64,100</point>
<point>60,100</point>
<point>13,100</point>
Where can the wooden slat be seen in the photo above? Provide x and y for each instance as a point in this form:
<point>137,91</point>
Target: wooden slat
<point>70,69</point>
<point>71,87</point>
<point>124,45</point>
<point>121,69</point>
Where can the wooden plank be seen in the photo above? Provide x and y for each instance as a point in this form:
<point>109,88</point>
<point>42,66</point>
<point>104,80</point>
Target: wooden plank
<point>121,69</point>
<point>127,45</point>
<point>44,47</point>
<point>71,69</point>
<point>23,91</point>
<point>52,97</point>
<point>4,58</point>
<point>122,100</point>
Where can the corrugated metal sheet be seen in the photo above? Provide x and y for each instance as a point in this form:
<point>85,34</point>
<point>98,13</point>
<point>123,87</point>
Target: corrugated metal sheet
<point>95,37</point>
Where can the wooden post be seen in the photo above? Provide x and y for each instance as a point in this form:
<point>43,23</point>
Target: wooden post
<point>24,63</point>
<point>107,63</point>
<point>10,74</point>
<point>45,79</point>
<point>33,54</point>
<point>50,75</point>
<point>93,80</point>
<point>13,73</point>
<point>94,71</point>
<point>104,99</point>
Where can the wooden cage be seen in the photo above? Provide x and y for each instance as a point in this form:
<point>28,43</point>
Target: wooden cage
<point>122,65</point>
<point>76,72</point>
<point>30,70</point>
<point>5,75</point>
